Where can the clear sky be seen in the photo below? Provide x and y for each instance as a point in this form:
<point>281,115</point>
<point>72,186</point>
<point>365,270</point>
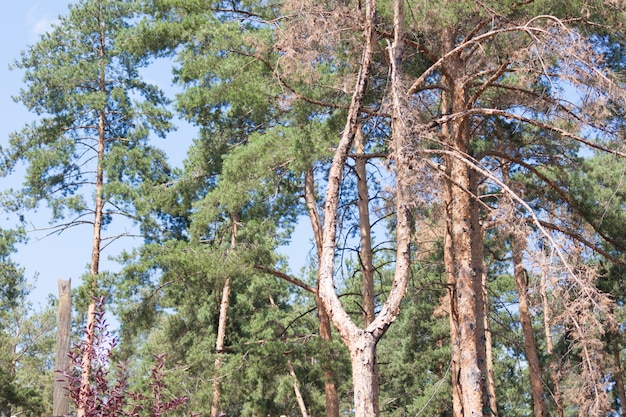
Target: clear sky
<point>67,255</point>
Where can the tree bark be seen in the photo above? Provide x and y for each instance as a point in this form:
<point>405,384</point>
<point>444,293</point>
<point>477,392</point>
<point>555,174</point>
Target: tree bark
<point>221,330</point>
<point>60,399</point>
<point>530,344</point>
<point>448,261</point>
<point>363,359</point>
<point>467,245</point>
<point>491,377</point>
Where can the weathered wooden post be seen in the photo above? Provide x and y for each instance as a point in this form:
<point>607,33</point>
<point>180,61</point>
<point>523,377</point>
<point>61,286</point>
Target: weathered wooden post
<point>60,400</point>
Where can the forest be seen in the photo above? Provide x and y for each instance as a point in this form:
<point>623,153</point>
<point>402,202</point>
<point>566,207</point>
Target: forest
<point>458,166</point>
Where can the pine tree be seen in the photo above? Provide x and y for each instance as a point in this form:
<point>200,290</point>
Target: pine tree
<point>88,155</point>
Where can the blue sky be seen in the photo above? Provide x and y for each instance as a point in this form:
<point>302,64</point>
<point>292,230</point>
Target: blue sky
<point>67,255</point>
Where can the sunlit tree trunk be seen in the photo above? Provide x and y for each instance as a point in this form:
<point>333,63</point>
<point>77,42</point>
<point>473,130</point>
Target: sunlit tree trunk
<point>362,342</point>
<point>221,329</point>
<point>491,376</point>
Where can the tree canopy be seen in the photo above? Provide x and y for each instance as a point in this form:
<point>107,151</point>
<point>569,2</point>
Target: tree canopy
<point>460,165</point>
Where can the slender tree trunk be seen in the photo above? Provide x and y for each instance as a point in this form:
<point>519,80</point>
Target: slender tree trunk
<point>491,377</point>
<point>60,399</point>
<point>221,330</point>
<point>330,389</point>
<point>95,258</point>
<point>296,389</point>
<point>530,344</point>
<point>366,255</point>
<point>448,260</point>
<point>619,376</point>
<point>219,349</point>
<point>367,263</point>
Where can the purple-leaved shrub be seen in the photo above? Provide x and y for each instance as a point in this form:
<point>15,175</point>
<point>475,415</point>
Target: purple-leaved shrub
<point>108,393</point>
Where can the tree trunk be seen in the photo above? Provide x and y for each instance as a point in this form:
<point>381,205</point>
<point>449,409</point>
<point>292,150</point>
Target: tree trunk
<point>362,342</point>
<point>366,255</point>
<point>219,349</point>
<point>367,263</point>
<point>555,372</point>
<point>330,389</point>
<point>95,259</point>
<point>530,344</point>
<point>296,389</point>
<point>467,245</point>
<point>221,330</point>
<point>448,261</point>
<point>60,399</point>
<point>363,359</point>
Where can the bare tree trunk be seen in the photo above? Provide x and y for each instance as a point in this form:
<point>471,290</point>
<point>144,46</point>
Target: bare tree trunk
<point>219,349</point>
<point>296,389</point>
<point>221,330</point>
<point>330,389</point>
<point>530,344</point>
<point>448,261</point>
<point>60,399</point>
